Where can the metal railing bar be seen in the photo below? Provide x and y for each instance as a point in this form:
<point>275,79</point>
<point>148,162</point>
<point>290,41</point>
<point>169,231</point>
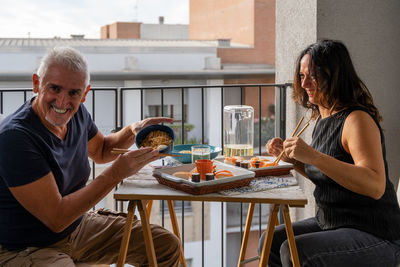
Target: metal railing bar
<point>117,125</point>
<point>259,220</point>
<point>141,104</point>
<point>162,102</point>
<point>116,108</point>
<point>241,221</point>
<point>141,110</point>
<point>202,233</point>
<point>241,95</point>
<point>121,107</point>
<point>202,115</point>
<point>93,118</point>
<point>183,225</point>
<point>222,234</point>
<point>183,115</point>
<point>222,119</point>
<point>259,120</point>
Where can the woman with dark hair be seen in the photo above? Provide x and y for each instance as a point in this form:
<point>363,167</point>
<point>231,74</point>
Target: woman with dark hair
<point>358,217</point>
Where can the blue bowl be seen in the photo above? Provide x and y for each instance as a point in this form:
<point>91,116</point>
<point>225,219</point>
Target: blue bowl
<point>141,135</point>
<point>187,158</point>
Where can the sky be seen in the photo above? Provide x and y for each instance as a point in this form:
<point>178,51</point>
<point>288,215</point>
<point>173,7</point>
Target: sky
<point>61,18</point>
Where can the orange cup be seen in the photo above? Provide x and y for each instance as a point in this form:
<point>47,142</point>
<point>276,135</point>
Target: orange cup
<point>204,166</point>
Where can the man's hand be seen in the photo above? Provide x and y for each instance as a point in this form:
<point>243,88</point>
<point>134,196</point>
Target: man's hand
<point>137,126</point>
<point>131,162</point>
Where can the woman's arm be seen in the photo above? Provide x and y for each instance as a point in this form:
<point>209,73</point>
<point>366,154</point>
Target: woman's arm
<point>361,139</point>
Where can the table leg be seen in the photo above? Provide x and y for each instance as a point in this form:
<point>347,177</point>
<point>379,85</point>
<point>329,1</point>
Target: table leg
<point>127,234</point>
<point>277,219</point>
<point>246,234</point>
<point>148,239</point>
<point>273,217</point>
<point>148,207</point>
<point>290,235</point>
<point>175,228</point>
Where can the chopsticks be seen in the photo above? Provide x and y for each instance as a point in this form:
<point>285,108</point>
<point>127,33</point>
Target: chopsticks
<point>123,150</point>
<point>276,161</point>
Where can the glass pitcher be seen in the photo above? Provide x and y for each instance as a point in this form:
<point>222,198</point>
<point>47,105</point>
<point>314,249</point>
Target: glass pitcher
<point>238,130</point>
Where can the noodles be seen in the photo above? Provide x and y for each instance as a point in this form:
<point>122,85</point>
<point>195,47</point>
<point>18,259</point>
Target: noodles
<point>156,138</point>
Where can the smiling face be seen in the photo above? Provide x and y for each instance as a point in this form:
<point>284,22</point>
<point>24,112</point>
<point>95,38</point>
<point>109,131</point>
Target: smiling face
<point>308,80</point>
<point>60,92</point>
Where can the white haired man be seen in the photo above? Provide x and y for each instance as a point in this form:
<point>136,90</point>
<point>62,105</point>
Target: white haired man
<point>44,198</point>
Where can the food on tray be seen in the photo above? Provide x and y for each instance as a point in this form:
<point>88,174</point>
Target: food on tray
<point>210,176</point>
<point>254,162</point>
<point>183,175</point>
<point>257,162</point>
<point>223,174</point>
<point>195,177</point>
<point>196,171</point>
<point>233,160</point>
<point>216,174</point>
<point>245,164</point>
<point>185,152</point>
<point>156,138</point>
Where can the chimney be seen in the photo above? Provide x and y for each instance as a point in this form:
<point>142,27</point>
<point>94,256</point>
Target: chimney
<point>77,36</point>
<point>161,20</point>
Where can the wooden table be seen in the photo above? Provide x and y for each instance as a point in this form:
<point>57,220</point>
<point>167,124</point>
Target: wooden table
<point>140,189</point>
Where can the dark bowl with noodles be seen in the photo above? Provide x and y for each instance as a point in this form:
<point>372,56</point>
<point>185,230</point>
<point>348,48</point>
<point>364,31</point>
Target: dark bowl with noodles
<point>154,136</point>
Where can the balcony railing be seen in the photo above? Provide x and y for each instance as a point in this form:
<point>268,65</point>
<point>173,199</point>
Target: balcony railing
<point>202,106</point>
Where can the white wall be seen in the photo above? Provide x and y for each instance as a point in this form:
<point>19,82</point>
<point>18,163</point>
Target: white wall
<point>164,31</point>
<point>295,29</point>
<point>371,31</point>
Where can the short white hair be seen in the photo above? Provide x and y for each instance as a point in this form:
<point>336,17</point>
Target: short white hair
<point>68,57</point>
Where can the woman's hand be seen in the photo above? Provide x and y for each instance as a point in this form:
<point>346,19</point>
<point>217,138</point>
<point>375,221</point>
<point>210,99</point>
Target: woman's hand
<point>296,149</point>
<point>137,126</point>
<point>275,146</point>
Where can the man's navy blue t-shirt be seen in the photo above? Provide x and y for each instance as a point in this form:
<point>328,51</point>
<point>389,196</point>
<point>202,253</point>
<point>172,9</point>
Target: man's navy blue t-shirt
<point>29,151</point>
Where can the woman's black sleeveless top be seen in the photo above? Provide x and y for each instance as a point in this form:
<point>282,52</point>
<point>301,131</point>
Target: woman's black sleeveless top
<point>340,207</point>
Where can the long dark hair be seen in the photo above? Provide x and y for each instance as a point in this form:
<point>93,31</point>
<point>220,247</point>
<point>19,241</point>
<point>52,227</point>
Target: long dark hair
<point>340,86</point>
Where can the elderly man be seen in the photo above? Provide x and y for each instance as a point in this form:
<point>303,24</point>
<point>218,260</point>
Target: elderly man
<point>44,199</point>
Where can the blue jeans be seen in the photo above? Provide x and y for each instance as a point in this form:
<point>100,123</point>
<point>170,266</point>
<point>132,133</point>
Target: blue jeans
<point>340,247</point>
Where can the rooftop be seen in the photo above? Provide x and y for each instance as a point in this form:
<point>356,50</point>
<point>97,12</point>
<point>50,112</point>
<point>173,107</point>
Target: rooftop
<point>82,42</point>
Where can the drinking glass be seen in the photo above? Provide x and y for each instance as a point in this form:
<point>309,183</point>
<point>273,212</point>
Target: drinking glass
<point>200,152</point>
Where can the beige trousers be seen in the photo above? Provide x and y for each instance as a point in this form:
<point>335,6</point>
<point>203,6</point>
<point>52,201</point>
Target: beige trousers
<point>97,240</point>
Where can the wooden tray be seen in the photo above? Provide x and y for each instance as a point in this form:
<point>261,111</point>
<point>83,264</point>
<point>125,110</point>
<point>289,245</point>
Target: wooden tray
<point>242,177</point>
<point>282,169</point>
